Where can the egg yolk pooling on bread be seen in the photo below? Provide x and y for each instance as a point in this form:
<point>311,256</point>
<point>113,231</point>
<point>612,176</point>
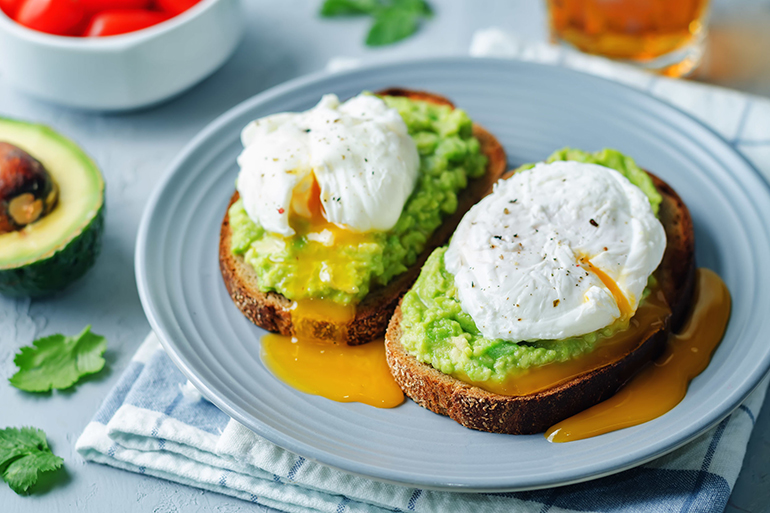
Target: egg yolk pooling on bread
<point>321,256</point>
<point>649,318</point>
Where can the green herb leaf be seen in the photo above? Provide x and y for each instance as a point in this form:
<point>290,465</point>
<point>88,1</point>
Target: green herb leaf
<point>349,7</point>
<point>392,24</point>
<point>58,361</point>
<point>419,7</point>
<point>394,20</point>
<point>23,453</point>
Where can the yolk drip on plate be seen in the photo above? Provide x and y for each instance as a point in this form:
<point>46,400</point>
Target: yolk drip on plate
<point>663,384</point>
<point>317,360</point>
<point>336,371</point>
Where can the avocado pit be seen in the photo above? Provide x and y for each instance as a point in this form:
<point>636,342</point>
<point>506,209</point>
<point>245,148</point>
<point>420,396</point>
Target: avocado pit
<point>27,191</point>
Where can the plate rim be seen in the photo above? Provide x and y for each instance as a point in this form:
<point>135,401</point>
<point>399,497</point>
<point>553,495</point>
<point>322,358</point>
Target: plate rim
<point>329,459</point>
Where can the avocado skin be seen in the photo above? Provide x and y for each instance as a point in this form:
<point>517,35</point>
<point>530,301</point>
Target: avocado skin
<point>64,266</point>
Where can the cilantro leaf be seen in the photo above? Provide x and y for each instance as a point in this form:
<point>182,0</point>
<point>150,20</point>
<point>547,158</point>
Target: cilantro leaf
<point>23,453</point>
<point>394,20</point>
<point>58,361</point>
<point>348,7</point>
<point>390,25</point>
<point>419,7</point>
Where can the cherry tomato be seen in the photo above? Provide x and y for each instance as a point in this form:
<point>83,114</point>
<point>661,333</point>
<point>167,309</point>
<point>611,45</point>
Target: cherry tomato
<point>51,16</point>
<point>120,21</point>
<point>94,6</point>
<point>174,7</point>
<point>9,7</point>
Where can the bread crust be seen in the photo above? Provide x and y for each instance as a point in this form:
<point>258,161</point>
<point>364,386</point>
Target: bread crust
<point>271,310</point>
<point>476,408</point>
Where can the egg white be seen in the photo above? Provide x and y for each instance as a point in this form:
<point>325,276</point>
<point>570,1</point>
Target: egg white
<point>359,151</point>
<point>516,255</point>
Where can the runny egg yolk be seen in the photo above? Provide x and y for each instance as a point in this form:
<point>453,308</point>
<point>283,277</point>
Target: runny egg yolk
<point>623,305</point>
<point>306,199</point>
<point>316,360</point>
<point>336,371</point>
<point>324,242</point>
<point>658,387</point>
<point>308,314</point>
<point>649,318</point>
<point>661,385</point>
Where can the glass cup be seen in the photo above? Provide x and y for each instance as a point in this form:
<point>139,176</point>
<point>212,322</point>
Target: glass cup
<point>666,36</point>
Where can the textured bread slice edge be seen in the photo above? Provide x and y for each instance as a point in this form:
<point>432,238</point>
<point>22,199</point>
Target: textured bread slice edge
<point>479,409</point>
<point>270,310</point>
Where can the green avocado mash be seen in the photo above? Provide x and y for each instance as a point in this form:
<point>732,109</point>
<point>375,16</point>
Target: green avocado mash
<point>612,159</point>
<point>436,331</point>
<point>449,155</point>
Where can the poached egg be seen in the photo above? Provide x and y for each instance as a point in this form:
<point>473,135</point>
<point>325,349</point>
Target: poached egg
<point>354,162</point>
<point>556,251</point>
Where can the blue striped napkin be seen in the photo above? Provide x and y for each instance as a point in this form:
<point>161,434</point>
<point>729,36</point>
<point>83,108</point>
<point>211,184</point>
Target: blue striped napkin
<point>154,422</point>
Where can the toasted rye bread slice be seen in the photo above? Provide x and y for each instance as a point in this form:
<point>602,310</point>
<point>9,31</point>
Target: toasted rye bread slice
<point>271,310</point>
<point>479,409</point>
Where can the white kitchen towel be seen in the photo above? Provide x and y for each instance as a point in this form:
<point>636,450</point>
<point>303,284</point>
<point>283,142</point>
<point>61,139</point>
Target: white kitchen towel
<point>154,422</point>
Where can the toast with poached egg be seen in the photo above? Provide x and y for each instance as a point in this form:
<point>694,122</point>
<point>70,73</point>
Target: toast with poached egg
<point>275,312</point>
<point>544,405</point>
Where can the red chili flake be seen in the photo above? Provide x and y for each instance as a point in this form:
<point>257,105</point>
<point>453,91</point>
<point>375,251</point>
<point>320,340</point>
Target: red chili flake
<point>281,210</point>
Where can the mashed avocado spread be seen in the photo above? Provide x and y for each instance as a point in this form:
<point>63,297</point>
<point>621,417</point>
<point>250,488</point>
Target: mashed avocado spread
<point>436,331</point>
<point>612,159</point>
<point>297,266</point>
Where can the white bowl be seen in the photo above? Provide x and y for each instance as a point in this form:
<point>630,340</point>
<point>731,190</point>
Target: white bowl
<point>127,71</point>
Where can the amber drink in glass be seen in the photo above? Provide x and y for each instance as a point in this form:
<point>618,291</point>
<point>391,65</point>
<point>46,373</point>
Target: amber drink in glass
<point>663,35</point>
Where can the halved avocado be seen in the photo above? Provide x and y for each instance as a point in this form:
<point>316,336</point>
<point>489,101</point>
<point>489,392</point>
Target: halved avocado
<point>50,253</point>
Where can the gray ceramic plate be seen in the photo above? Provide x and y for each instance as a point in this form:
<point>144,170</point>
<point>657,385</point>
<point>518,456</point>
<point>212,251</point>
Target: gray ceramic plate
<point>533,110</point>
